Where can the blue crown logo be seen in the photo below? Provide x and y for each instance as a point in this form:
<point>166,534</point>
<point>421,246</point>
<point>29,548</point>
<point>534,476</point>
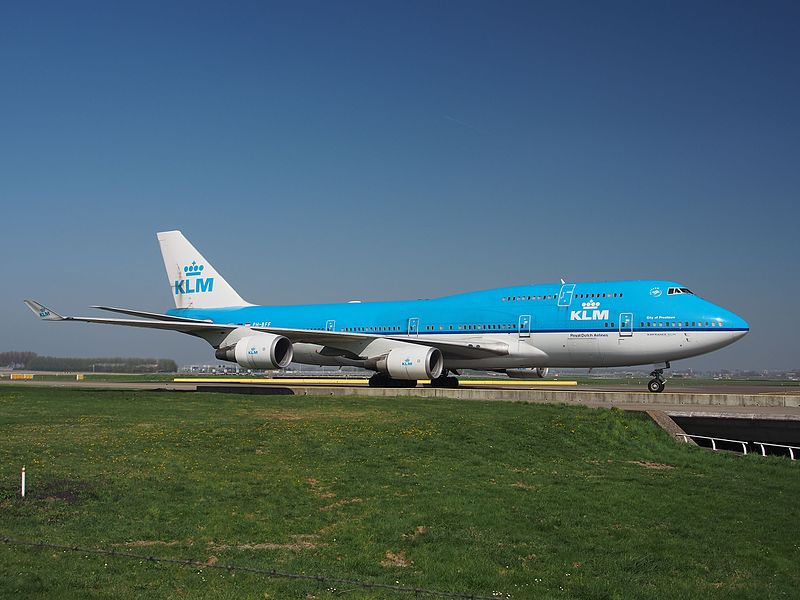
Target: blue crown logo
<point>193,270</point>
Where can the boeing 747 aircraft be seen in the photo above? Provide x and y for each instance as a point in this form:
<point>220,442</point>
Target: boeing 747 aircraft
<point>601,324</point>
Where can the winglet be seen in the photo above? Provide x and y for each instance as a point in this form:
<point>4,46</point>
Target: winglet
<point>43,312</point>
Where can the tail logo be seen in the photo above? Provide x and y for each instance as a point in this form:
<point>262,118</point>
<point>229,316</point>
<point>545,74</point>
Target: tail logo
<point>44,313</point>
<point>193,281</point>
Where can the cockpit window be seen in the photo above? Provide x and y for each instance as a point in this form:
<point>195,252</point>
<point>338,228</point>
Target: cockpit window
<point>677,290</point>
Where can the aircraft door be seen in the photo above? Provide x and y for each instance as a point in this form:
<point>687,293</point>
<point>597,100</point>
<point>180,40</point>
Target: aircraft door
<point>524,326</point>
<point>625,324</point>
<point>413,326</point>
<point>565,295</point>
<point>330,325</point>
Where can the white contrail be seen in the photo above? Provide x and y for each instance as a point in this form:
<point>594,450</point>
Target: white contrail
<point>460,122</point>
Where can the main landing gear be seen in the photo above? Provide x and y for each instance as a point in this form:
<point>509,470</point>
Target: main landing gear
<point>445,381</point>
<point>656,384</point>
<point>384,381</point>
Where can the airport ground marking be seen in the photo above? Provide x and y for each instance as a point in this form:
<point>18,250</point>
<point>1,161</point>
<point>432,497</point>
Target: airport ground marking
<point>321,381</point>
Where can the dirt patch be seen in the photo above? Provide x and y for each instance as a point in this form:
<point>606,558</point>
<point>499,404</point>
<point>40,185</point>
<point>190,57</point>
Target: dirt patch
<point>297,414</point>
<point>396,559</point>
<point>62,490</point>
<point>144,543</point>
<point>650,465</point>
<point>419,531</point>
<point>521,485</point>
<point>299,542</point>
<point>341,503</point>
<point>318,489</point>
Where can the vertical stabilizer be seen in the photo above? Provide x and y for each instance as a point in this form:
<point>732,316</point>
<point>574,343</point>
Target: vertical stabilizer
<point>194,283</point>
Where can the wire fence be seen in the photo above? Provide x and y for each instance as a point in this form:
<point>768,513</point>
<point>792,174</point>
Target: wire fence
<point>271,573</point>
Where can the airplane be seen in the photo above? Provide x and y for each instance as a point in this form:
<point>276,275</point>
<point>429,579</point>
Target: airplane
<point>513,330</point>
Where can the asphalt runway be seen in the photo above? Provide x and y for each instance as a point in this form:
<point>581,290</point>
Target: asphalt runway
<point>732,400</point>
<point>188,384</point>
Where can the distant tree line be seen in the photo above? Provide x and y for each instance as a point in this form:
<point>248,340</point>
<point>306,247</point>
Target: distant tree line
<point>30,360</point>
<point>16,359</point>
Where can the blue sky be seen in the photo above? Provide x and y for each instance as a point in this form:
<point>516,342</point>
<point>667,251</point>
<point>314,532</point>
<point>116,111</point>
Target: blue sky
<point>324,151</point>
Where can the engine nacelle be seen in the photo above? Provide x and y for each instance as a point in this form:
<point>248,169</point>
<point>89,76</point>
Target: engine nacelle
<point>259,351</point>
<point>415,362</point>
<point>536,373</point>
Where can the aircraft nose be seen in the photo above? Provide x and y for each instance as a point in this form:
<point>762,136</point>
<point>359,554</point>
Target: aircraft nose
<point>739,326</point>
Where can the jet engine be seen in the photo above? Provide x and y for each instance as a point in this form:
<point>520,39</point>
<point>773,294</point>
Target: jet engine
<point>536,373</point>
<point>415,362</point>
<point>259,351</point>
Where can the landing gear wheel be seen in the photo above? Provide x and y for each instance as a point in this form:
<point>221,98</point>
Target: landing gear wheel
<point>443,381</point>
<point>379,380</point>
<point>656,384</point>
<point>384,381</point>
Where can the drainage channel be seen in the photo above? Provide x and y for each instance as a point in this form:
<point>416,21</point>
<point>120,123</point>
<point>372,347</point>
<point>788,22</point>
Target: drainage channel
<point>783,432</point>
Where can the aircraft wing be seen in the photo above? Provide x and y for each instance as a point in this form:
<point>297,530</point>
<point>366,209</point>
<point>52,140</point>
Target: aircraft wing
<point>459,349</point>
<point>149,315</point>
<point>187,326</point>
<point>336,339</point>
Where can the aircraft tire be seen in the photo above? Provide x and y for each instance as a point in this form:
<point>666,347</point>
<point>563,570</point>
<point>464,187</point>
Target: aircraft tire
<point>445,382</point>
<point>384,381</point>
<point>655,386</point>
<point>379,380</point>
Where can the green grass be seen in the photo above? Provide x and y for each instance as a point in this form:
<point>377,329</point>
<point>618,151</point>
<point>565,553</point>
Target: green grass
<point>527,500</point>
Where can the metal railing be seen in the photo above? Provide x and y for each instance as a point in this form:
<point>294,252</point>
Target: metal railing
<point>764,450</point>
<point>687,436</point>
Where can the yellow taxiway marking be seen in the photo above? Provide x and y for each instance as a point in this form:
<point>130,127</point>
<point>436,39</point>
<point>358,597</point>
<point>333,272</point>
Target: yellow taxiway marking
<point>321,381</point>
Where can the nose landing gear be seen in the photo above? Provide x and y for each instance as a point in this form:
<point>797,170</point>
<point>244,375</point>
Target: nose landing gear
<point>656,384</point>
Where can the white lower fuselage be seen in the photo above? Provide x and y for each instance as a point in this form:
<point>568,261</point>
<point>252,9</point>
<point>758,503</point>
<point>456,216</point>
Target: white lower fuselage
<point>559,349</point>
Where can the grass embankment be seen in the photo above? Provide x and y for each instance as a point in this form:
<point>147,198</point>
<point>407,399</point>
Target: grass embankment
<point>527,500</point>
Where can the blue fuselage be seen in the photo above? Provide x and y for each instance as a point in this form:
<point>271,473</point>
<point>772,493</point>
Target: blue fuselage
<point>632,306</point>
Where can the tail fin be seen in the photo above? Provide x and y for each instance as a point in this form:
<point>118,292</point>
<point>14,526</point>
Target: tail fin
<point>192,279</point>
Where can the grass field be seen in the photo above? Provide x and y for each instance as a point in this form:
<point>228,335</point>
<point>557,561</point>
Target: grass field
<point>504,499</point>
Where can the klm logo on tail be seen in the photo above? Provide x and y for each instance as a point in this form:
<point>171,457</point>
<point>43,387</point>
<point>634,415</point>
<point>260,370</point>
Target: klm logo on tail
<point>590,312</point>
<point>194,282</point>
